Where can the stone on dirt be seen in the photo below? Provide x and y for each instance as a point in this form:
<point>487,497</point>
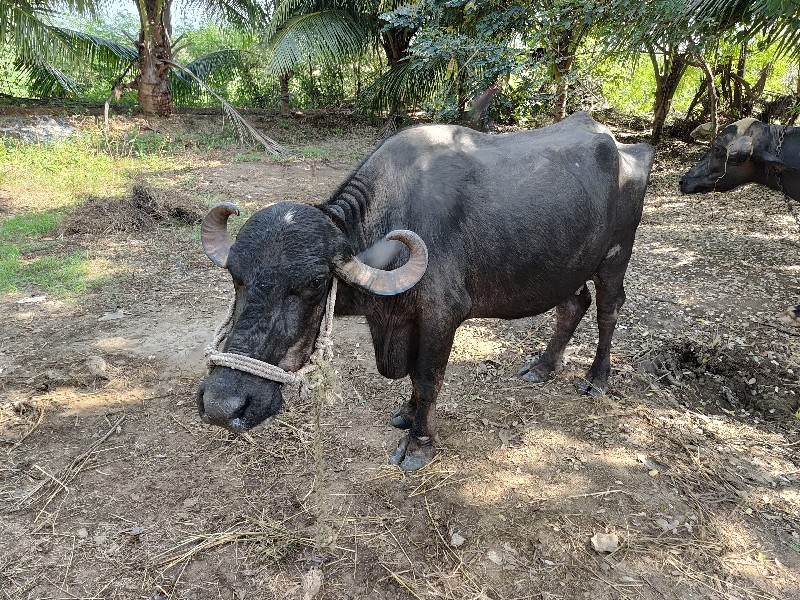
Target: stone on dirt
<point>605,542</point>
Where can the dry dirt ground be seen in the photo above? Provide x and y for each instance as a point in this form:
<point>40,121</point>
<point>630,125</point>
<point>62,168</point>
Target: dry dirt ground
<point>111,487</point>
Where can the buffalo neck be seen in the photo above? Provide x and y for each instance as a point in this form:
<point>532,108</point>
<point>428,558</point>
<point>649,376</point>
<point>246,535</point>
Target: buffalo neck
<point>347,208</point>
<point>788,152</point>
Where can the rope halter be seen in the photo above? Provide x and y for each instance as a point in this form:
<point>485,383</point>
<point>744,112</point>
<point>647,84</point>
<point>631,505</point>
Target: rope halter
<point>323,351</point>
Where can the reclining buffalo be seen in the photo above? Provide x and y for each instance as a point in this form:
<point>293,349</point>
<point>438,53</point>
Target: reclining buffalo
<point>749,151</point>
<point>438,225</point>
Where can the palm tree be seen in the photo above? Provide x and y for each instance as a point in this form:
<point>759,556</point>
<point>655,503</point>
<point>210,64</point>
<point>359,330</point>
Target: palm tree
<point>333,31</point>
<point>48,52</point>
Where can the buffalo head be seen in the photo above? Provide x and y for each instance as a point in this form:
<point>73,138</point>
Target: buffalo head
<point>282,265</point>
<point>740,154</point>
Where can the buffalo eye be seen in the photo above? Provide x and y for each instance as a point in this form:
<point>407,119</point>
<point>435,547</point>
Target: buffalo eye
<point>317,282</point>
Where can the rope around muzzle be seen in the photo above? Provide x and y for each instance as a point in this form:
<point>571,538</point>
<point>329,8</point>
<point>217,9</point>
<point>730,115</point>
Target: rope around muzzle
<point>323,352</point>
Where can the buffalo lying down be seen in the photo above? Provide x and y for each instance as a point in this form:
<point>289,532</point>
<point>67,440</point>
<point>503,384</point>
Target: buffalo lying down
<point>749,151</point>
<point>510,226</point>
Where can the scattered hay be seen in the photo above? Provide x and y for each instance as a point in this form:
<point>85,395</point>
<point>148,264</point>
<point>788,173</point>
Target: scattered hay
<point>143,209</point>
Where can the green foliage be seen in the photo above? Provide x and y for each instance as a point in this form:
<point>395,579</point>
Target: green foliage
<point>777,20</point>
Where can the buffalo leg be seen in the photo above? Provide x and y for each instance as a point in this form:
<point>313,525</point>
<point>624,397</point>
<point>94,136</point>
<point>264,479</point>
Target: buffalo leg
<point>568,314</point>
<point>418,447</point>
<point>610,294</point>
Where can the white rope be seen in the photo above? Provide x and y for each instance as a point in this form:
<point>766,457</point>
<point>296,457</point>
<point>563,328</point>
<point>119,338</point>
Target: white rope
<point>323,350</point>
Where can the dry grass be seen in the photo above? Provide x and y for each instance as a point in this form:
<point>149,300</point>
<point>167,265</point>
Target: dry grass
<point>144,208</point>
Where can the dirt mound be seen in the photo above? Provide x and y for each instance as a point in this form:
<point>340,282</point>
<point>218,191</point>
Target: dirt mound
<point>144,208</point>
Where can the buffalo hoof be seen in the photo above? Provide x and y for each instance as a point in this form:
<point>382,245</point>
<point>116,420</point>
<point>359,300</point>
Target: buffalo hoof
<point>400,420</point>
<point>589,388</point>
<point>536,377</point>
<point>535,373</point>
<point>413,453</point>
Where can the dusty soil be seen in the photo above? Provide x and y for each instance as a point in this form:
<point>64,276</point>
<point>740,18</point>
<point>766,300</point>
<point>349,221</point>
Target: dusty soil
<point>112,488</point>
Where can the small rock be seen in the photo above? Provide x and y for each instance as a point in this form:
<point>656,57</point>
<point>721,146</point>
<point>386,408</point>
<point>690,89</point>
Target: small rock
<point>671,525</point>
<point>189,502</point>
<point>495,556</point>
<point>605,542</point>
<point>312,583</point>
<point>134,531</point>
<point>96,366</point>
<point>82,533</point>
<point>113,316</point>
<point>457,540</point>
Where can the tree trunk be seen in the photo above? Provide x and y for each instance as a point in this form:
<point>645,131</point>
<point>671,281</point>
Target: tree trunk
<point>563,46</point>
<point>726,84</point>
<point>395,44</point>
<point>696,100</point>
<point>738,94</point>
<point>797,88</point>
<point>152,82</point>
<point>283,93</point>
<point>667,79</point>
<point>712,91</point>
<point>561,69</point>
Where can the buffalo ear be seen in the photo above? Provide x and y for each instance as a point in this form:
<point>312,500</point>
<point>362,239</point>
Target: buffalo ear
<point>768,159</point>
<point>740,149</point>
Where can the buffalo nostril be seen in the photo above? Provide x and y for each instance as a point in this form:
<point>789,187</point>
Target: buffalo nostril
<point>224,411</point>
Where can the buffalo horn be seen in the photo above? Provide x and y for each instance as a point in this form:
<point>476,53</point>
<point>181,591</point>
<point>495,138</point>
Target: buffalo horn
<point>740,149</point>
<point>214,232</point>
<point>389,283</point>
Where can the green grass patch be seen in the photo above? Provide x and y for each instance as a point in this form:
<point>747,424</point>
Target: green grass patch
<point>314,152</point>
<point>242,157</point>
<point>66,273</point>
<point>63,274</point>
<point>31,224</point>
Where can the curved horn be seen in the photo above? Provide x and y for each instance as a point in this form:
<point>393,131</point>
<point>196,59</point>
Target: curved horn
<point>389,283</point>
<point>214,232</point>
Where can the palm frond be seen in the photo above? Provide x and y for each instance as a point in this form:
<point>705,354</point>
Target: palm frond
<point>408,84</point>
<point>286,10</point>
<point>246,132</point>
<point>26,26</point>
<point>47,80</point>
<point>95,51</point>
<point>245,15</point>
<point>219,67</point>
<point>777,19</point>
<point>328,36</point>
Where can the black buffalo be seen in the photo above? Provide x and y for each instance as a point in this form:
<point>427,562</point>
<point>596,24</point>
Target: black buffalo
<point>747,152</point>
<point>750,151</point>
<point>509,226</point>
